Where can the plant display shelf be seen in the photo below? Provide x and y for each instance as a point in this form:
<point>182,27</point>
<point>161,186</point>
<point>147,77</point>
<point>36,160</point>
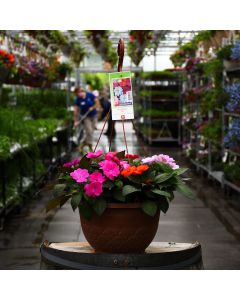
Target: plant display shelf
<point>193,137</point>
<point>165,129</point>
<point>57,146</point>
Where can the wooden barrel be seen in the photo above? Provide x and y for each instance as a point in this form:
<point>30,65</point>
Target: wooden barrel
<point>158,256</point>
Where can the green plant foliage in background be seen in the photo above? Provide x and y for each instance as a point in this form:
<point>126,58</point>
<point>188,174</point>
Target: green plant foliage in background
<point>97,81</point>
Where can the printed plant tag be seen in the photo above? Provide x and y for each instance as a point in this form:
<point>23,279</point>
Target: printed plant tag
<point>121,95</point>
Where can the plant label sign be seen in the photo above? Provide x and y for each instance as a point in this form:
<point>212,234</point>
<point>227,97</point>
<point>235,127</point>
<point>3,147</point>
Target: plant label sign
<point>121,95</point>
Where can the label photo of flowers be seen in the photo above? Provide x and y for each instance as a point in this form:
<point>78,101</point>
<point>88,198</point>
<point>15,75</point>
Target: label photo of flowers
<point>122,90</point>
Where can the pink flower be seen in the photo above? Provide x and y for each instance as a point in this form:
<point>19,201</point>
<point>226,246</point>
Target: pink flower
<point>97,177</point>
<point>71,163</point>
<point>110,169</point>
<point>112,156</point>
<point>124,164</point>
<point>94,154</point>
<point>80,175</point>
<point>165,159</point>
<point>93,189</point>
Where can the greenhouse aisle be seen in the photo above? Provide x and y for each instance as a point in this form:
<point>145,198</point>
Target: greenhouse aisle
<point>186,221</point>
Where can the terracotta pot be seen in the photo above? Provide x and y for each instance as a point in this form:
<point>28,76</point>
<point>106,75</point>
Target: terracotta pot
<point>123,228</point>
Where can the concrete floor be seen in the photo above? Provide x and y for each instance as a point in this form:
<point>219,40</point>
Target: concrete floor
<point>210,219</point>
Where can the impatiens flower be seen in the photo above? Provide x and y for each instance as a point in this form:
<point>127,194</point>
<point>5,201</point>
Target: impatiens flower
<point>124,164</point>
<point>140,169</point>
<point>80,175</point>
<point>112,156</point>
<point>129,171</point>
<point>110,169</point>
<point>161,158</point>
<point>97,177</point>
<point>134,170</point>
<point>71,163</point>
<point>132,156</point>
<point>93,189</point>
<point>95,154</point>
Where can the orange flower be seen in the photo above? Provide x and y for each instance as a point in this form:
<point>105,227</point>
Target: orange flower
<point>134,170</point>
<point>140,169</point>
<point>129,171</point>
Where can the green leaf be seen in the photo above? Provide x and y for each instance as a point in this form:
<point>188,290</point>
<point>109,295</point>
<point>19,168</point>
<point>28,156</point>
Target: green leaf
<point>161,193</point>
<point>108,184</point>
<point>75,201</point>
<point>129,189</point>
<point>180,171</point>
<point>59,189</point>
<point>135,179</point>
<point>100,206</point>
<point>162,167</point>
<point>118,183</point>
<point>149,207</point>
<point>86,210</point>
<point>120,154</point>
<point>185,190</point>
<point>48,187</point>
<point>118,195</point>
<point>58,201</point>
<point>164,205</point>
<point>163,177</point>
<point>149,194</point>
<point>84,162</point>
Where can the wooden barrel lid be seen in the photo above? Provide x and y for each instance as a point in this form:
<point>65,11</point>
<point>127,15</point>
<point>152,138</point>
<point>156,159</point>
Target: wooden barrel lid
<point>159,256</point>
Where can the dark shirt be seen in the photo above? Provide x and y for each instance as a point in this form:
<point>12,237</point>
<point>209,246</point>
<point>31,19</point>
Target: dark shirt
<point>85,103</point>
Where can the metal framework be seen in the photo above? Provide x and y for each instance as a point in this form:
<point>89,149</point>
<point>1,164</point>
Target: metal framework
<point>167,46</point>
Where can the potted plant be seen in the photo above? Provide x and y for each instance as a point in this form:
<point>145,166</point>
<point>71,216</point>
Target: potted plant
<point>119,197</point>
<point>232,172</point>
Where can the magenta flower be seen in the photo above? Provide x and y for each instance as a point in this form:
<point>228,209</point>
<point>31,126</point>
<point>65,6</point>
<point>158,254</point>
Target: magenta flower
<point>71,163</point>
<point>165,159</point>
<point>93,189</point>
<point>110,169</point>
<point>112,156</point>
<point>80,175</point>
<point>94,154</point>
<point>97,177</point>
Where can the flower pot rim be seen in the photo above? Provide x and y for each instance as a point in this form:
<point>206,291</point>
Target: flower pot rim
<point>124,205</point>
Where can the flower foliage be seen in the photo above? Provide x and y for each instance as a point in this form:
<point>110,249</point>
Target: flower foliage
<point>98,179</point>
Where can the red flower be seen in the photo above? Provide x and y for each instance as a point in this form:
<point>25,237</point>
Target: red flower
<point>132,156</point>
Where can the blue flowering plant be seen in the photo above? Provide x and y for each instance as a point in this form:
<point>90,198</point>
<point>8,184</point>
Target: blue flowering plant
<point>232,138</point>
<point>234,101</point>
<point>235,51</point>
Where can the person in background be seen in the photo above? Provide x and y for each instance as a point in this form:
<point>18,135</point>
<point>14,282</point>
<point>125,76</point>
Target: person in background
<point>86,103</point>
<point>106,105</point>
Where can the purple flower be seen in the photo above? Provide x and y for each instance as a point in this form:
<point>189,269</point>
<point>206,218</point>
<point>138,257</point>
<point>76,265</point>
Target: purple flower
<point>161,158</point>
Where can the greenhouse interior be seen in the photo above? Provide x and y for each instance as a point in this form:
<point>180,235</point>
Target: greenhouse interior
<point>112,126</point>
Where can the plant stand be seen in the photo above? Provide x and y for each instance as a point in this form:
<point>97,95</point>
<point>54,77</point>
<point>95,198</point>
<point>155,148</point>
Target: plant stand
<point>158,256</point>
